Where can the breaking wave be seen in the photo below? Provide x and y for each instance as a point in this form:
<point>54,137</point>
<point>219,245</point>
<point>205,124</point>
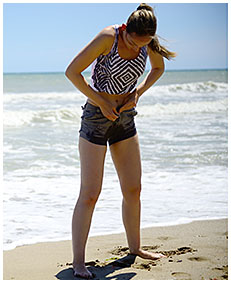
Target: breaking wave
<point>23,109</point>
<point>72,115</point>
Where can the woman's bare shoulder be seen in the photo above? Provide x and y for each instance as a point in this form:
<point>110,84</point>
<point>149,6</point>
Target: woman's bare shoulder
<point>108,32</point>
<point>108,36</point>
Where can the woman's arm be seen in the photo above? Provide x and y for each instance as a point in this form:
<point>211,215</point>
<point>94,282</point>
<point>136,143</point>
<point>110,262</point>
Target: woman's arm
<point>101,44</point>
<point>95,48</point>
<point>157,69</point>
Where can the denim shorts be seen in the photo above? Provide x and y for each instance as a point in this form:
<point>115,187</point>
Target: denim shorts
<point>99,130</point>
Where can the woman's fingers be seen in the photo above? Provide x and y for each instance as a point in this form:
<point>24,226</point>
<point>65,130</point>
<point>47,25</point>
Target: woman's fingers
<point>127,106</point>
<point>111,115</point>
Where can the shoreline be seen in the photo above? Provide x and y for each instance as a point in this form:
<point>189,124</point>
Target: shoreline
<point>157,225</point>
<point>189,247</point>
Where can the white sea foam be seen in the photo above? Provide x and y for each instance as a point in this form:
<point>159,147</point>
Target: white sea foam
<point>41,96</point>
<point>24,109</point>
<point>197,87</point>
<point>50,202</point>
<point>72,115</point>
<point>29,117</point>
<point>184,108</point>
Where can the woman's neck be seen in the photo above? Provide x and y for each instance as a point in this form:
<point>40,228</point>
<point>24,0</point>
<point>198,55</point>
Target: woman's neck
<point>124,49</point>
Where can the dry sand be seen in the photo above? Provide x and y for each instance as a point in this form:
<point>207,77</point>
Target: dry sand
<point>198,250</point>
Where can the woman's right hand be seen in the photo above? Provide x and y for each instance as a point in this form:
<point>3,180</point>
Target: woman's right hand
<point>109,110</point>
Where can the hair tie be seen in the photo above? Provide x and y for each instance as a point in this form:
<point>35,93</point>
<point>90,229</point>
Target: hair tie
<point>123,27</point>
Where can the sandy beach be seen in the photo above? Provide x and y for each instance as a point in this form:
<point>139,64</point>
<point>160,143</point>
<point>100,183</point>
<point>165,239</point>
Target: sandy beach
<point>198,250</point>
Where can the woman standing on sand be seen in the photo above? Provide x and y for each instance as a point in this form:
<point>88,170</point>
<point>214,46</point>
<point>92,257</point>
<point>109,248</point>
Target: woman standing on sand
<point>119,54</point>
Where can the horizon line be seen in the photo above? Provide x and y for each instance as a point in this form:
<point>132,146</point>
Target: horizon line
<point>171,70</point>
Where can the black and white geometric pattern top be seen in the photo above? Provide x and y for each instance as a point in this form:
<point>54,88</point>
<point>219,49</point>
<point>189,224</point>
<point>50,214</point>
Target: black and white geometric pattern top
<point>115,75</point>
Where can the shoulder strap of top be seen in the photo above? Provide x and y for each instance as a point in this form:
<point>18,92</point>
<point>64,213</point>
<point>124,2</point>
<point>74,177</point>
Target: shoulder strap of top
<point>114,46</point>
<point>116,27</point>
<point>144,50</point>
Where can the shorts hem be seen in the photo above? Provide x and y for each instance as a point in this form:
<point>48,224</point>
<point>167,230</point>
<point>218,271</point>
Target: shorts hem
<point>130,135</point>
<point>93,140</point>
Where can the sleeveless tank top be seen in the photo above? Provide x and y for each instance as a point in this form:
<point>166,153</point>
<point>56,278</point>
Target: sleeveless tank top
<point>115,75</point>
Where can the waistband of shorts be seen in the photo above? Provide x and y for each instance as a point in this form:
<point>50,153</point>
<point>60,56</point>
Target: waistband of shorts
<point>90,106</point>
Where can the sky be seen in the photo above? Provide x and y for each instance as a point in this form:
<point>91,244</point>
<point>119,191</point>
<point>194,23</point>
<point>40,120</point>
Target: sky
<point>45,37</point>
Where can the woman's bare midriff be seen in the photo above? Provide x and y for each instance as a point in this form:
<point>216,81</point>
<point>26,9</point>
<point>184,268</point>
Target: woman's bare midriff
<point>117,100</point>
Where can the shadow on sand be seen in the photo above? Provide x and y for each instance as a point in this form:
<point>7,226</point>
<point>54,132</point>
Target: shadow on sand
<point>103,271</point>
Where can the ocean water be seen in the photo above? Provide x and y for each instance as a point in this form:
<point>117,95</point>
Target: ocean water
<point>182,126</point>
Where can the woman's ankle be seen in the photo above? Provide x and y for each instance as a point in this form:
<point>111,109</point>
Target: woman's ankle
<point>78,263</point>
<point>134,251</point>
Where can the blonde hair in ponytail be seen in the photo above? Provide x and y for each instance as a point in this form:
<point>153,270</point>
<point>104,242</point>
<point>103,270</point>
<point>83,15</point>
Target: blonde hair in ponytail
<point>143,22</point>
<point>155,46</point>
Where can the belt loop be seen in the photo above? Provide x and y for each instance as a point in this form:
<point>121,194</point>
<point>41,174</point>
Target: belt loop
<point>84,106</point>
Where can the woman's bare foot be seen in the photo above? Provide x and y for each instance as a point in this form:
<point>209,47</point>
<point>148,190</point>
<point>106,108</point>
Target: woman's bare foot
<point>82,271</point>
<point>149,255</point>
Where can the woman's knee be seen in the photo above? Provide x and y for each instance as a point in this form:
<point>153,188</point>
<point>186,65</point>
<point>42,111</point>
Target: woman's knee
<point>89,196</point>
<point>131,192</point>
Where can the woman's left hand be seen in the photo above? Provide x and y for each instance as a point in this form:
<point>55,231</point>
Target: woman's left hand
<point>130,101</point>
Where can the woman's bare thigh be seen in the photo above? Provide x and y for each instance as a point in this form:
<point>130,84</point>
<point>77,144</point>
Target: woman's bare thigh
<point>126,157</point>
<point>92,158</point>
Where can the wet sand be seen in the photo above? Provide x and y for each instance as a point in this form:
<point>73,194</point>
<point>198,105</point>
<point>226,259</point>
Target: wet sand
<point>198,250</point>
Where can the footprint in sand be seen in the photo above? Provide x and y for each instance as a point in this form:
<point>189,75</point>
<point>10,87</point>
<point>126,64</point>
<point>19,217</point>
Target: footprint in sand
<point>147,248</point>
<point>181,275</point>
<point>142,266</point>
<point>197,258</point>
<point>163,238</point>
<point>121,251</point>
<point>224,270</point>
